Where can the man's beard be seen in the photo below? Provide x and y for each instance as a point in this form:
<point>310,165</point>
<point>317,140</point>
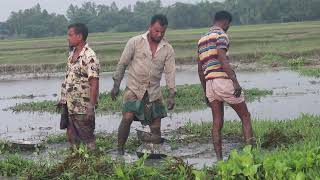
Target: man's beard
<point>157,40</point>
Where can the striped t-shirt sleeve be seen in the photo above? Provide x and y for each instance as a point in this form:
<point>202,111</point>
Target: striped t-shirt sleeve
<point>223,42</point>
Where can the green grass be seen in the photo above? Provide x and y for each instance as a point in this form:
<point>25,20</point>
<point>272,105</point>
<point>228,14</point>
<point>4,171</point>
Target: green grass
<point>309,71</point>
<point>51,139</point>
<point>188,98</point>
<point>298,65</point>
<point>270,58</point>
<point>293,157</point>
<point>300,161</point>
<point>297,62</point>
<point>268,133</point>
<point>251,43</point>
<point>105,141</point>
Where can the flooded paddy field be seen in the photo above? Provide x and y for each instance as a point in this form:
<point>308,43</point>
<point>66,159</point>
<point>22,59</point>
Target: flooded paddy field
<point>292,95</point>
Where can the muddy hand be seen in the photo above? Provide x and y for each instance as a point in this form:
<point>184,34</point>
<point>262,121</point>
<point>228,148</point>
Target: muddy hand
<point>237,90</point>
<point>90,113</point>
<point>59,106</point>
<point>171,103</point>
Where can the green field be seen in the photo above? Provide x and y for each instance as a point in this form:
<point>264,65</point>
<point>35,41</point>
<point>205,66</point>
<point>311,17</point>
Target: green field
<point>265,43</point>
<point>284,150</point>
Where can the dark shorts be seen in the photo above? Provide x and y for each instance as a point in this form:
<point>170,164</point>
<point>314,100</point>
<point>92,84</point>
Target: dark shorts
<point>144,111</point>
<point>80,129</point>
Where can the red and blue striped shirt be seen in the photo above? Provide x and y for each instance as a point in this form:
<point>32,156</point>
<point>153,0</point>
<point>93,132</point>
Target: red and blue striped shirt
<point>208,47</point>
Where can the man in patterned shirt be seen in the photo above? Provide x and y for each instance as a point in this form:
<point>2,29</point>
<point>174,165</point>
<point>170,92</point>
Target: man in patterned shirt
<point>219,81</point>
<point>80,89</point>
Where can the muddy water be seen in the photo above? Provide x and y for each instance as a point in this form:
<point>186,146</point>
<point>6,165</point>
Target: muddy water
<point>292,96</point>
<point>197,154</point>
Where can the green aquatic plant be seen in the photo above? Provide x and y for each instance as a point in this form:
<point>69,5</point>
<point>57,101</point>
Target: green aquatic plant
<point>188,98</point>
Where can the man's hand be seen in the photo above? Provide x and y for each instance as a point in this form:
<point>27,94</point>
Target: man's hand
<point>171,101</point>
<point>90,112</point>
<point>237,89</point>
<point>222,57</point>
<point>59,105</point>
<point>114,92</point>
<point>61,102</point>
<point>207,101</point>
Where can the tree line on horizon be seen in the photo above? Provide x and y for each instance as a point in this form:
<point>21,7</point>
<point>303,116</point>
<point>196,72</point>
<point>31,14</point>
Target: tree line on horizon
<point>37,22</point>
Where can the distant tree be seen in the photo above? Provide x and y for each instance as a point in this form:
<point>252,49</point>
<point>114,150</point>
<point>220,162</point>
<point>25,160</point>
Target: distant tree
<point>4,28</point>
<point>34,22</point>
<point>83,14</point>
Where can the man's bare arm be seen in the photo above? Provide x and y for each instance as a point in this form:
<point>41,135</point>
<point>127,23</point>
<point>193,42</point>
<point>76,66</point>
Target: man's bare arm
<point>222,57</point>
<point>201,76</point>
<point>203,82</point>
<point>94,91</point>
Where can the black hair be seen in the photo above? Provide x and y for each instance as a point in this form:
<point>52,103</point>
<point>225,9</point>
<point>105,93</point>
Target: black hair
<point>80,28</point>
<point>223,15</point>
<point>162,19</point>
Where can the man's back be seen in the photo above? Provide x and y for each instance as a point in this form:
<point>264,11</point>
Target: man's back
<point>208,47</point>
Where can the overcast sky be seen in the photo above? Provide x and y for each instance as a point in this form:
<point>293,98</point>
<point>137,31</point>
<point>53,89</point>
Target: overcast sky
<point>60,6</point>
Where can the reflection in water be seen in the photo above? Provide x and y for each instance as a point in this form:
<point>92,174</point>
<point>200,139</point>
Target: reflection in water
<point>292,96</point>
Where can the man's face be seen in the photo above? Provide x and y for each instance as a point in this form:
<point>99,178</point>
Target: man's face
<point>74,39</point>
<point>156,32</point>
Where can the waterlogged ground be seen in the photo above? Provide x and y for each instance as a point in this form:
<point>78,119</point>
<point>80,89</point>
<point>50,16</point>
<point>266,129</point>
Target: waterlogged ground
<point>292,95</point>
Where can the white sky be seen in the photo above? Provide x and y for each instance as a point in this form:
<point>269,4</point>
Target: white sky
<point>60,6</point>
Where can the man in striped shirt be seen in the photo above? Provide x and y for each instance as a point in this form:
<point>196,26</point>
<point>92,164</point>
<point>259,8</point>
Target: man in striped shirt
<point>219,81</point>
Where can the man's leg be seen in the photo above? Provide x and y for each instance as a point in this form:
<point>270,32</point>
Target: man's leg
<point>244,115</point>
<point>217,113</point>
<point>155,127</point>
<point>81,130</point>
<point>91,145</point>
<point>124,130</point>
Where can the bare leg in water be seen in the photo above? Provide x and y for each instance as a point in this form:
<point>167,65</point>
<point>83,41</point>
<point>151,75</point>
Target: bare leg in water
<point>217,114</point>
<point>155,127</point>
<point>243,113</point>
<point>124,131</point>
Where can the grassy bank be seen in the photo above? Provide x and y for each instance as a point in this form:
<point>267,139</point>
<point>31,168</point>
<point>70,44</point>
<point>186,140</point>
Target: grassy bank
<point>312,72</point>
<point>287,149</point>
<point>189,97</point>
<point>298,65</point>
<point>268,44</point>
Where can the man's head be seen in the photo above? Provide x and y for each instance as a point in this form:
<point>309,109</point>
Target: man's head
<point>223,19</point>
<point>77,33</point>
<point>158,27</point>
